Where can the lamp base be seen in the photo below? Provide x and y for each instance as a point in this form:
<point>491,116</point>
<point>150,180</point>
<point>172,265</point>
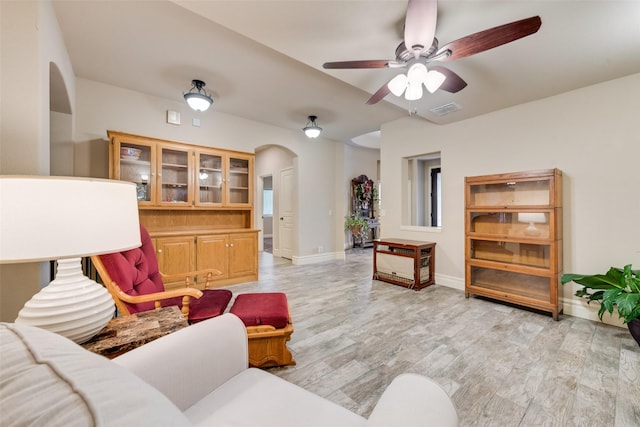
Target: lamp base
<point>71,305</point>
<point>531,230</point>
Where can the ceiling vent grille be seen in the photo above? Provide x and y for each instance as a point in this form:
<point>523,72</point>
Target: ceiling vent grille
<point>446,109</point>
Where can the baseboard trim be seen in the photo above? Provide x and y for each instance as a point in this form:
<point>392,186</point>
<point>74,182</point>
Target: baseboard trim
<point>316,258</point>
<point>579,308</point>
<point>450,281</point>
<point>570,307</point>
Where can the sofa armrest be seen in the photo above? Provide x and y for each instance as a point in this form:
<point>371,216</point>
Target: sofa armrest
<point>188,364</point>
<point>412,400</point>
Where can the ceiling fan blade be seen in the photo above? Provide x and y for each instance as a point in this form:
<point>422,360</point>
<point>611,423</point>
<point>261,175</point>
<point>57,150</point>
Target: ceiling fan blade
<point>420,24</point>
<point>453,82</point>
<point>488,39</point>
<point>381,93</point>
<point>374,63</point>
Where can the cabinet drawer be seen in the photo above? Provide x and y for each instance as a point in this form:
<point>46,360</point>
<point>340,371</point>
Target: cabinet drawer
<point>508,282</point>
<point>529,254</point>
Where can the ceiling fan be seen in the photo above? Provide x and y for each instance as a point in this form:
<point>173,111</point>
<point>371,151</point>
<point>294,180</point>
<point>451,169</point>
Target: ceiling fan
<point>420,47</point>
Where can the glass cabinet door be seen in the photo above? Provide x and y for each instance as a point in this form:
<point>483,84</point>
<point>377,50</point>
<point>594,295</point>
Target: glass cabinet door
<point>209,176</point>
<point>511,193</point>
<point>512,224</point>
<point>136,166</point>
<point>527,254</point>
<point>238,181</point>
<point>174,176</point>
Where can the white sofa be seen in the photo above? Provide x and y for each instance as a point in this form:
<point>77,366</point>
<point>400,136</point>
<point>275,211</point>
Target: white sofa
<point>196,376</point>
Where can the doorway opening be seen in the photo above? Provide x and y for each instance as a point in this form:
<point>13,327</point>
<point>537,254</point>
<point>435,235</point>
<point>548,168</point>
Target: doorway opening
<point>267,213</point>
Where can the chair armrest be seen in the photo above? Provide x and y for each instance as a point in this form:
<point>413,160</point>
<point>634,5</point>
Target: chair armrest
<point>412,400</point>
<point>188,364</point>
<point>157,296</point>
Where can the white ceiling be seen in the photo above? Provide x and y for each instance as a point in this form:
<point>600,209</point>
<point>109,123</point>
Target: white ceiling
<point>262,59</point>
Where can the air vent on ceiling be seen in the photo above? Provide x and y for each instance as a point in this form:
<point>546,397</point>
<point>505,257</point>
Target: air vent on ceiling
<point>446,109</point>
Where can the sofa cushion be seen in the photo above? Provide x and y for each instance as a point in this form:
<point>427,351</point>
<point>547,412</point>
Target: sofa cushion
<point>46,379</point>
<point>269,308</point>
<point>248,400</point>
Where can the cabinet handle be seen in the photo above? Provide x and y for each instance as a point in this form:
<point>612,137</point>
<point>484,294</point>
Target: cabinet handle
<point>159,251</point>
<point>231,244</point>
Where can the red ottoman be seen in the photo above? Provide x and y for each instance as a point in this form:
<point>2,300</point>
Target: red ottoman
<point>269,327</point>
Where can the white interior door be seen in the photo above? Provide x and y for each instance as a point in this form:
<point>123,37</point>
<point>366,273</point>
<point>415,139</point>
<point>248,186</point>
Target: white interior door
<point>286,212</point>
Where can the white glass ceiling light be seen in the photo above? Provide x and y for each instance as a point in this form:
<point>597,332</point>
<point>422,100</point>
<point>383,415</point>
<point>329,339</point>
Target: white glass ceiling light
<point>398,84</point>
<point>411,84</point>
<point>200,100</point>
<point>434,80</point>
<point>312,130</point>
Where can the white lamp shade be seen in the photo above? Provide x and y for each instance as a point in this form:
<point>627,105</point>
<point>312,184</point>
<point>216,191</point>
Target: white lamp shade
<point>434,80</point>
<point>398,84</point>
<point>46,218</point>
<point>414,91</point>
<point>417,74</point>
<point>532,217</point>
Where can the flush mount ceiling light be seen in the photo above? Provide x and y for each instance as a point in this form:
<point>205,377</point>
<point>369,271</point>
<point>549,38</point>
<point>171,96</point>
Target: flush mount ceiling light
<point>411,84</point>
<point>200,100</point>
<point>312,130</point>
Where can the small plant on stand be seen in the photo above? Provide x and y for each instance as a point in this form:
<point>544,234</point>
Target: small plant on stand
<point>357,225</point>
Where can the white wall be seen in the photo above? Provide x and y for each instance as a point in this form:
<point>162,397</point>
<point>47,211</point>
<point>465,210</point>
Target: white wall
<point>103,107</point>
<point>30,39</point>
<point>591,134</point>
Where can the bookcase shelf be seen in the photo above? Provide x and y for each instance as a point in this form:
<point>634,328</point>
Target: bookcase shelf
<point>513,238</point>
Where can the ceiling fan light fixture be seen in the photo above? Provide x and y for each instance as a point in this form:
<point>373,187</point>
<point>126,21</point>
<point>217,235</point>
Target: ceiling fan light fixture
<point>434,80</point>
<point>398,84</point>
<point>417,74</point>
<point>414,91</point>
<point>312,130</point>
<point>200,100</point>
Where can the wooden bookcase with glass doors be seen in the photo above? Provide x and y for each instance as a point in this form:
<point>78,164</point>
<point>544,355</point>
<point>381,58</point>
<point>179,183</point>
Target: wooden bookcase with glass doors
<point>513,238</point>
<point>195,201</point>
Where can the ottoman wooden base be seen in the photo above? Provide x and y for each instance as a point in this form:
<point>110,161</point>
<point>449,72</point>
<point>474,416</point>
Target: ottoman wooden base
<point>269,327</point>
<point>268,346</point>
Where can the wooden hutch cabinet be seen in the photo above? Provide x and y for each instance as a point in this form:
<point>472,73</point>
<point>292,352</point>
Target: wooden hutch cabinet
<point>513,238</point>
<point>196,202</point>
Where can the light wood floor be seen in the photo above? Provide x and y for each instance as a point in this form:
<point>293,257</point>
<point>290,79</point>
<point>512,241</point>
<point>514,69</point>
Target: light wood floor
<point>503,366</point>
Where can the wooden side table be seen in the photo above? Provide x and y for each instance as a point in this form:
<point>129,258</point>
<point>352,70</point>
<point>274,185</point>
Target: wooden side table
<point>407,263</point>
<point>125,333</point>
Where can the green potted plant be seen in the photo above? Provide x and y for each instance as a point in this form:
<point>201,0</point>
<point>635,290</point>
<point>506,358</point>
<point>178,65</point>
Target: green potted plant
<point>619,288</point>
<point>357,224</point>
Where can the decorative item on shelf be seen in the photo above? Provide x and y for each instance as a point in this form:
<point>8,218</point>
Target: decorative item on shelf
<point>64,219</point>
<point>532,218</point>
<point>130,153</point>
<point>312,130</point>
<point>365,192</point>
<point>200,100</point>
<point>619,288</point>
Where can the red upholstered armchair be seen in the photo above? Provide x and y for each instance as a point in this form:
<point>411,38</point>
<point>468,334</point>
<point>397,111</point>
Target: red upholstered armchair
<point>136,284</point>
